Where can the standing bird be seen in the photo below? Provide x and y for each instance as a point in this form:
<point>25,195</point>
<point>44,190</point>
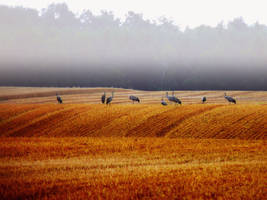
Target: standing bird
<point>163,102</point>
<point>176,100</point>
<point>109,99</point>
<point>173,98</point>
<point>59,99</point>
<point>230,99</point>
<point>103,98</point>
<point>134,98</point>
<point>204,99</point>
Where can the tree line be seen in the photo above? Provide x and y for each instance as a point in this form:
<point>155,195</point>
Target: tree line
<point>56,47</point>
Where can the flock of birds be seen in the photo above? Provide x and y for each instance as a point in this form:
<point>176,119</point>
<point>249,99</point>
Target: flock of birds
<point>173,98</point>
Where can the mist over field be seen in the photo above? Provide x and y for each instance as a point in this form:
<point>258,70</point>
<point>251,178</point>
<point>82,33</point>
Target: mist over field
<point>56,47</point>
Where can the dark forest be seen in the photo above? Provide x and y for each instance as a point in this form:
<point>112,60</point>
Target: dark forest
<point>56,47</point>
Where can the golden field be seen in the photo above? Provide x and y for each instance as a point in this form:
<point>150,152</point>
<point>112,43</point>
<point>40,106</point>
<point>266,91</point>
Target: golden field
<point>85,150</point>
<point>37,95</point>
<point>132,168</point>
<point>187,121</point>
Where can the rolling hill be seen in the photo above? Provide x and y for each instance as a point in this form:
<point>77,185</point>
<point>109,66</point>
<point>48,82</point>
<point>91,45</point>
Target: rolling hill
<point>82,149</point>
<point>219,121</point>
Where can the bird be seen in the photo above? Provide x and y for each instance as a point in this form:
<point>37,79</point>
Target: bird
<point>204,99</point>
<point>109,99</point>
<point>230,99</point>
<point>163,102</point>
<point>103,98</point>
<point>134,98</point>
<point>59,99</point>
<point>176,99</point>
<point>173,98</point>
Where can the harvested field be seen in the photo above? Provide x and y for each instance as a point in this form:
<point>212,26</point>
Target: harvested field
<point>188,121</point>
<point>29,95</point>
<point>82,149</point>
<point>132,168</point>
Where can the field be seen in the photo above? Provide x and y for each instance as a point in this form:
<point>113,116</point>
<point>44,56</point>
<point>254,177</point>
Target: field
<point>82,149</point>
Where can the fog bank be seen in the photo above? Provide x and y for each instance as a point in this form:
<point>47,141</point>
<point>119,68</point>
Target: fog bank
<point>57,48</point>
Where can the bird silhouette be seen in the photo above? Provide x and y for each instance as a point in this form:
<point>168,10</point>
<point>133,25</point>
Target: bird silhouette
<point>163,102</point>
<point>103,98</point>
<point>229,99</point>
<point>59,99</point>
<point>173,98</point>
<point>134,98</point>
<point>109,99</point>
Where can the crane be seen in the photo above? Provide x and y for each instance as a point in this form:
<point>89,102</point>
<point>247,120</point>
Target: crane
<point>163,102</point>
<point>229,99</point>
<point>109,99</point>
<point>59,99</point>
<point>173,98</point>
<point>103,98</point>
<point>134,98</point>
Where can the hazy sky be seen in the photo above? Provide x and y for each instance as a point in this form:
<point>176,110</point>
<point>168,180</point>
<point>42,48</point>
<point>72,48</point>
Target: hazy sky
<point>184,13</point>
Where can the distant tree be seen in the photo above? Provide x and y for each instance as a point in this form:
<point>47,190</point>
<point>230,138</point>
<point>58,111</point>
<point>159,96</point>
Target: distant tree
<point>56,47</point>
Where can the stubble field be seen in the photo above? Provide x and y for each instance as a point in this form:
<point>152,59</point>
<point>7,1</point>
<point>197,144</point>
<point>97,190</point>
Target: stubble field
<point>83,149</point>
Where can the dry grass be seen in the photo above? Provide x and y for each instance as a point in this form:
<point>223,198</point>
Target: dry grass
<point>245,121</point>
<point>132,168</point>
<point>29,95</point>
<point>84,150</point>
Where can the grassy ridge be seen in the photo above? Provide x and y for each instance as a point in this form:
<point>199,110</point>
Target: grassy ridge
<point>243,121</point>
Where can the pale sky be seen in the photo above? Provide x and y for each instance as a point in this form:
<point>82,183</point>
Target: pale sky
<point>184,13</point>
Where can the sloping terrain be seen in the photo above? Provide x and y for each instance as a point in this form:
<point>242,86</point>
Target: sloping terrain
<point>221,121</point>
<point>83,149</point>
